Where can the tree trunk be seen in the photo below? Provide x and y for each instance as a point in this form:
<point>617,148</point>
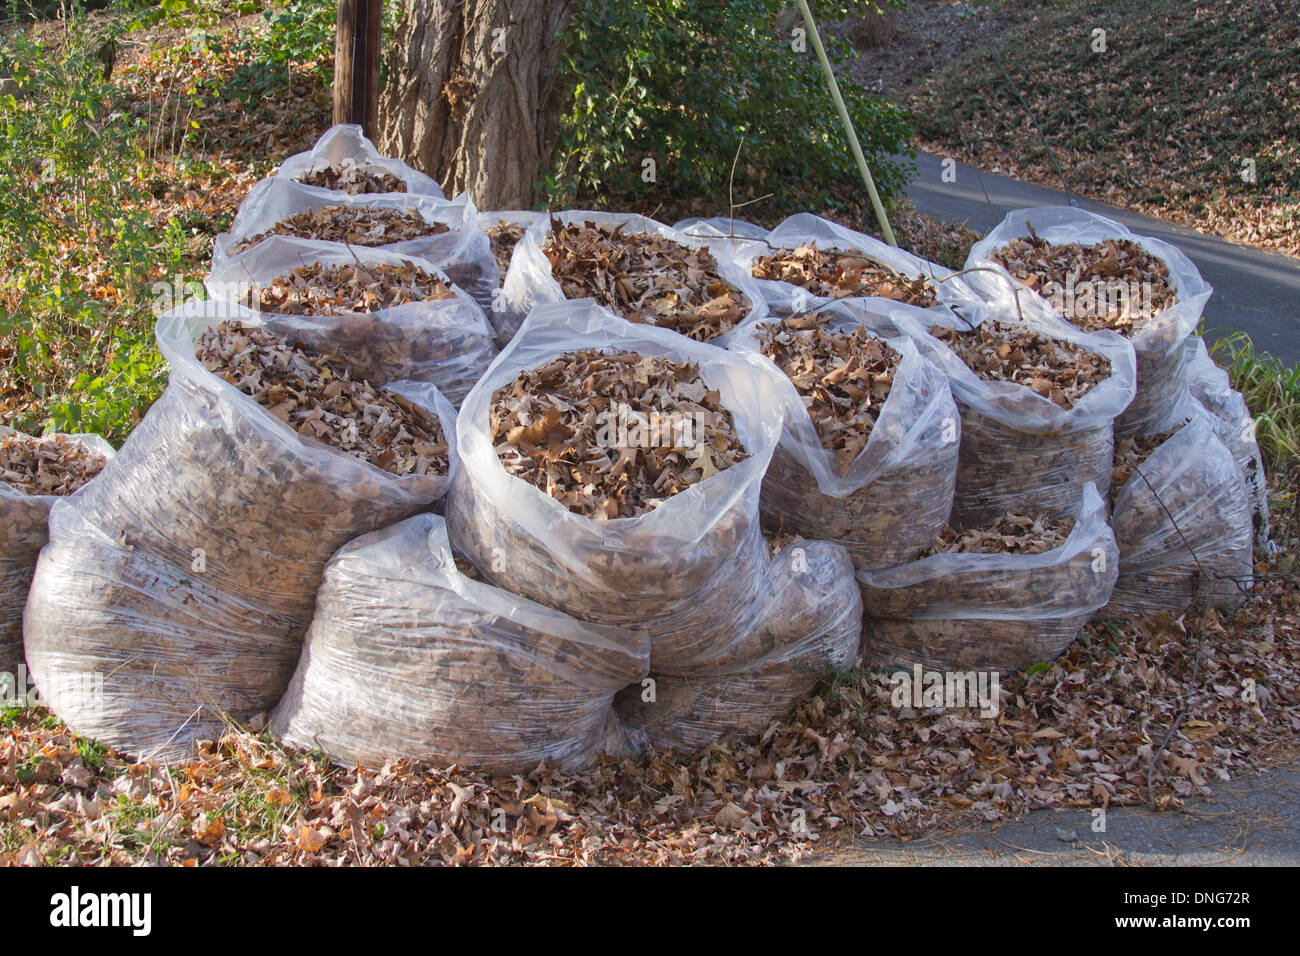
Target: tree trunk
<point>470,94</point>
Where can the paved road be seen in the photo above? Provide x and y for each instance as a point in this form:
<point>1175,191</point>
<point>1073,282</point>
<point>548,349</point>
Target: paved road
<point>1254,291</point>
<point>1253,821</point>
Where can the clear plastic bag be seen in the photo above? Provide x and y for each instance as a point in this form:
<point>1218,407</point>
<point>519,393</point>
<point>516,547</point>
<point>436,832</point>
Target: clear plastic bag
<point>529,282</point>
<point>784,298</point>
<point>1234,424</point>
<point>807,623</point>
<point>1183,524</point>
<point>898,492</point>
<point>521,218</point>
<point>339,146</point>
<point>1159,343</point>
<point>1020,451</point>
<point>408,658</point>
<point>462,252</point>
<point>991,611</point>
<point>448,342</point>
<point>183,577</point>
<point>685,570</point>
<point>24,530</point>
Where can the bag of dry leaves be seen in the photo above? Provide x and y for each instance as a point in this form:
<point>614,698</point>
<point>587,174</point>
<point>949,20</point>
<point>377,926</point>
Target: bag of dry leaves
<point>183,578</point>
<point>636,267</point>
<point>807,262</point>
<point>410,657</point>
<point>444,232</point>
<point>868,455</point>
<point>392,317</point>
<point>612,470</point>
<point>1001,597</point>
<point>35,472</point>
<point>342,163</point>
<point>806,623</point>
<point>1038,401</point>
<point>1182,518</point>
<point>504,229</point>
<point>1096,274</point>
<point>1234,424</point>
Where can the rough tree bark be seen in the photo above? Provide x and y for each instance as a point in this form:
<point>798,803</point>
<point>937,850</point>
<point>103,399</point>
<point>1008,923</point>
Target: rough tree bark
<point>470,94</point>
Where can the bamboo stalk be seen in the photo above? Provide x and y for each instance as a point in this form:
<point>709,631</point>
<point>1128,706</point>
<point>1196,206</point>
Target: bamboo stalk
<point>846,122</point>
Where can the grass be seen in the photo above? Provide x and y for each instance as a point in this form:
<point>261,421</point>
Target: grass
<point>215,808</point>
<point>1160,122</point>
<point>1271,389</point>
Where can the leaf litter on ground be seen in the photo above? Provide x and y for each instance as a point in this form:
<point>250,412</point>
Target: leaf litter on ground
<point>1084,731</point>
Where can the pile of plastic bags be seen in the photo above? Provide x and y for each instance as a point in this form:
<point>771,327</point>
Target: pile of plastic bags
<point>226,565</point>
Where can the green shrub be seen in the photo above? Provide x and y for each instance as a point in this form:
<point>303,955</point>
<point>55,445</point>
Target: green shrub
<point>77,252</point>
<point>300,31</point>
<point>1272,392</point>
<point>683,81</point>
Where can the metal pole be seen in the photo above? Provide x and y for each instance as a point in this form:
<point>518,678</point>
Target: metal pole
<point>846,122</point>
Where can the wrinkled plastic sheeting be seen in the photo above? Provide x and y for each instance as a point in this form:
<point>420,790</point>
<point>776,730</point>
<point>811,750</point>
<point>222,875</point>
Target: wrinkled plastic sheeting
<point>24,530</point>
<point>898,492</point>
<point>1020,451</point>
<point>408,658</point>
<point>339,146</point>
<point>725,236</point>
<point>1184,526</point>
<point>462,252</point>
<point>523,218</point>
<point>991,611</point>
<point>176,588</point>
<point>529,282</point>
<point>686,570</point>
<point>807,627</point>
<point>784,298</point>
<point>1235,426</point>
